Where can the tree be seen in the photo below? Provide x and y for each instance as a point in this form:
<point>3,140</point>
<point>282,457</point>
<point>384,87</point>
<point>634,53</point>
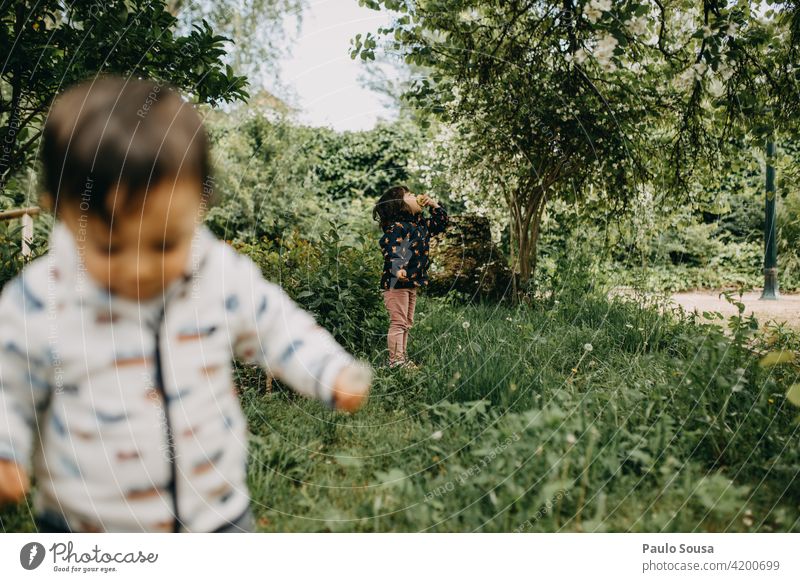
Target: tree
<point>553,98</point>
<point>52,44</point>
<point>275,176</point>
<point>260,28</point>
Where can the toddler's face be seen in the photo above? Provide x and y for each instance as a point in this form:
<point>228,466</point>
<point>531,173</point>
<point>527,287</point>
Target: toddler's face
<point>143,250</point>
<point>411,202</point>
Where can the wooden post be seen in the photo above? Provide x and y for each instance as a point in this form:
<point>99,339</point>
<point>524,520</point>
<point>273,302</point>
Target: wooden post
<point>27,235</point>
<point>26,215</point>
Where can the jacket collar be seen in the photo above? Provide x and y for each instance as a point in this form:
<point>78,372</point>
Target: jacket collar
<point>67,269</point>
<point>406,216</point>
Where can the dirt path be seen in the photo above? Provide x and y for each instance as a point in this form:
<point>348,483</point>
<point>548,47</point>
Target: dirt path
<point>785,309</point>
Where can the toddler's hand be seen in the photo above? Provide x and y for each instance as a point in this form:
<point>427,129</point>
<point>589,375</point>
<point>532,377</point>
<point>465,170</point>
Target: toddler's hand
<point>351,387</point>
<point>401,274</point>
<point>14,482</point>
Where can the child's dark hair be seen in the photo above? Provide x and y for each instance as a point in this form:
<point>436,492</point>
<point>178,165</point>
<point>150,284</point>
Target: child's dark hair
<point>110,132</point>
<point>390,205</point>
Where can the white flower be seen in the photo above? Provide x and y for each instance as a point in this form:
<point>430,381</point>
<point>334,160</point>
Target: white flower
<point>684,80</point>
<point>638,25</point>
<point>592,13</point>
<point>595,9</point>
<point>605,50</point>
<point>716,87</point>
<point>699,69</point>
<point>465,325</point>
<point>437,435</point>
<point>724,71</point>
<point>469,15</point>
<point>571,439</point>
<point>587,347</point>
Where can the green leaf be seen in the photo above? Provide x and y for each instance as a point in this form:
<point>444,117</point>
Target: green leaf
<point>793,394</point>
<point>777,358</point>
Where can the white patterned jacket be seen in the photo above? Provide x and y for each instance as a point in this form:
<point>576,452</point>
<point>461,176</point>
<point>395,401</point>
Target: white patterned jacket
<point>126,411</point>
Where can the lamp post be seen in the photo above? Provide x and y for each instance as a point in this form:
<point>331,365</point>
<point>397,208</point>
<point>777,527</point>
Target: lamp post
<point>770,247</point>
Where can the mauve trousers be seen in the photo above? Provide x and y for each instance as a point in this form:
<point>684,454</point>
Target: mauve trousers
<point>400,305</point>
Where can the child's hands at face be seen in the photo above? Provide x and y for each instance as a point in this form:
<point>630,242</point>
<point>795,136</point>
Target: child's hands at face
<point>425,200</point>
<point>351,387</point>
<point>14,482</point>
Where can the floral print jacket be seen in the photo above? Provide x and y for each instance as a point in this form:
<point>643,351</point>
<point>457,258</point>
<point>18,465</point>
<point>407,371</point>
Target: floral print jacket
<point>405,245</point>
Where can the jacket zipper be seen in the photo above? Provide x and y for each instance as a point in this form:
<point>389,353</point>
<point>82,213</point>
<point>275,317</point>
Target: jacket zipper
<point>173,482</point>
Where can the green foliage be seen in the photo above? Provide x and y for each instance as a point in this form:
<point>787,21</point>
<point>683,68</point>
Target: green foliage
<point>10,256</point>
<point>55,44</point>
<point>715,241</point>
<point>274,176</point>
<point>550,99</point>
<point>572,413</point>
<point>365,163</point>
<point>11,260</point>
<point>515,425</point>
<point>334,278</point>
<point>259,27</point>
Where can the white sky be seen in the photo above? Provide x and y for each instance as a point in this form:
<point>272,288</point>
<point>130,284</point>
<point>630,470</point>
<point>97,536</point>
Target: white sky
<point>322,73</point>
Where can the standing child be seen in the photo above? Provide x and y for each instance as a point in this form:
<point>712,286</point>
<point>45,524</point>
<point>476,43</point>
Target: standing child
<point>405,242</point>
<point>115,348</point>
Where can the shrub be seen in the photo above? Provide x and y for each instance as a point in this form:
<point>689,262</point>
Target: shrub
<point>336,279</point>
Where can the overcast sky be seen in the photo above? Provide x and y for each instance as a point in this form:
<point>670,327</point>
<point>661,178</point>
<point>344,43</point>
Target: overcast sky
<point>321,71</point>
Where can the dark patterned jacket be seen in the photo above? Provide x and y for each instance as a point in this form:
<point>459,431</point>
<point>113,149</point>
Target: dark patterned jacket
<point>405,245</point>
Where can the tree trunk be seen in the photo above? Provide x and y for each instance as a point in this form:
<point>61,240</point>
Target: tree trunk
<point>527,226</point>
<point>512,263</point>
<point>536,231</point>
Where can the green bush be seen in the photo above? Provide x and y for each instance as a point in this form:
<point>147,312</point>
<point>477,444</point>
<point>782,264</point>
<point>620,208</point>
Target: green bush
<point>274,177</point>
<point>335,278</point>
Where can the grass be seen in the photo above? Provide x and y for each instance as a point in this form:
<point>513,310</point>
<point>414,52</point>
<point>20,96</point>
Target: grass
<point>602,417</point>
<point>575,414</point>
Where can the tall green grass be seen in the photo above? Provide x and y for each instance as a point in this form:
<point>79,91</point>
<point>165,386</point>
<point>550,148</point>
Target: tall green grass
<point>573,413</point>
<point>601,415</point>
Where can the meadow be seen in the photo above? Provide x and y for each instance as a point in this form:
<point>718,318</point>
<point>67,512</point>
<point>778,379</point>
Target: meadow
<point>596,416</point>
<point>555,406</point>
<point>572,412</point>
